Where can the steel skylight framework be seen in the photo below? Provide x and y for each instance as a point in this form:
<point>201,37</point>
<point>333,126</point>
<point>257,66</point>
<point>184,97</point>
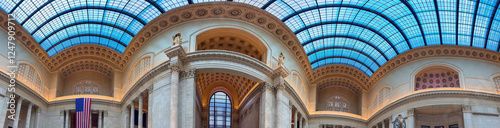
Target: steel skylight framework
<point>358,33</point>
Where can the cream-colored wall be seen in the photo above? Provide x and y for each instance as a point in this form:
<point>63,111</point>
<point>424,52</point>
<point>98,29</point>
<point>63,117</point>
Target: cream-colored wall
<point>189,30</point>
<point>473,74</point>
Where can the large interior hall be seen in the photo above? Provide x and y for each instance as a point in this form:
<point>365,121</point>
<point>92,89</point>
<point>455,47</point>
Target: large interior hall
<point>250,64</point>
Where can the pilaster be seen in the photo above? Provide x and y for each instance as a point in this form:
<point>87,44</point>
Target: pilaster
<point>410,120</point>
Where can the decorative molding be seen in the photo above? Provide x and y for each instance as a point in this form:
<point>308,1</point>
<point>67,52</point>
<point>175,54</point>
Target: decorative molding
<point>230,56</point>
<point>441,93</point>
<point>466,109</point>
<point>175,67</point>
<point>190,73</point>
<point>266,87</point>
<point>232,10</point>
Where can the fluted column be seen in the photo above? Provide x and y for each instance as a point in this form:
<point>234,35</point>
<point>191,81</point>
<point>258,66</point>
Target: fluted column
<point>140,112</point>
<point>175,53</point>
<point>132,106</point>
<point>18,112</point>
<point>66,118</point>
<point>279,75</point>
<point>150,106</point>
<point>38,114</point>
<point>99,123</point>
<point>295,119</point>
<point>28,116</point>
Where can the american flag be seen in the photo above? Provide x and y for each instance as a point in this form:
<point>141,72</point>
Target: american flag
<point>83,112</point>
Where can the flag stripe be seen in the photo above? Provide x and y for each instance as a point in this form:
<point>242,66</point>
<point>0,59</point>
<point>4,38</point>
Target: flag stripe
<point>83,112</point>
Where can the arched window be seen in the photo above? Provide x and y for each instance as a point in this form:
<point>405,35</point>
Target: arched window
<point>381,99</point>
<point>436,78</point>
<point>337,103</point>
<point>29,76</point>
<point>86,87</point>
<point>496,80</point>
<point>140,68</point>
<point>220,111</point>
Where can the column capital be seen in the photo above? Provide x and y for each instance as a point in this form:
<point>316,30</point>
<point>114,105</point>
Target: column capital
<point>20,99</point>
<point>466,109</point>
<point>411,111</point>
<point>175,51</point>
<point>175,67</point>
<point>281,71</point>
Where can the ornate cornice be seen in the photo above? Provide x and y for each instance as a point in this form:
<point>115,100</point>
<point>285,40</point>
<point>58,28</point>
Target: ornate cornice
<point>336,70</point>
<point>231,10</point>
<point>440,93</point>
<point>466,109</point>
<point>86,51</point>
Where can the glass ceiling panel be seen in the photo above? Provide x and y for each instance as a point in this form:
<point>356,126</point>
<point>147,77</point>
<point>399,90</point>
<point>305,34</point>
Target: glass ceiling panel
<point>361,33</point>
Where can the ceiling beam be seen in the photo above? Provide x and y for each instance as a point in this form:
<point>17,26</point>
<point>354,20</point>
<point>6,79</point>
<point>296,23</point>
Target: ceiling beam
<point>350,23</point>
<point>405,2</point>
<point>492,17</point>
<point>86,22</point>
<point>349,37</point>
<point>343,57</point>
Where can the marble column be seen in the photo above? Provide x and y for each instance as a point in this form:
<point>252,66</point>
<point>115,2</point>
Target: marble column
<point>279,107</point>
<point>66,118</point>
<point>99,123</point>
<point>189,109</point>
<point>467,113</point>
<point>38,114</point>
<point>28,115</point>
<point>132,107</point>
<point>139,124</point>
<point>150,106</point>
<point>410,120</point>
<point>266,106</point>
<point>279,75</point>
<point>18,112</point>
